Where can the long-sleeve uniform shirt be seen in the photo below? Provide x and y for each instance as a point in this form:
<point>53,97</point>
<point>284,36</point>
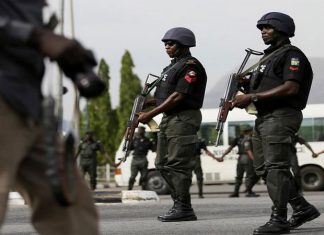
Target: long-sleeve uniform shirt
<point>21,67</point>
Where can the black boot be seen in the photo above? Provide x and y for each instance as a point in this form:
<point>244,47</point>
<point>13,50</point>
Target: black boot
<point>181,211</point>
<point>277,224</point>
<point>236,191</point>
<point>302,212</point>
<point>250,193</point>
<point>174,198</point>
<point>130,184</point>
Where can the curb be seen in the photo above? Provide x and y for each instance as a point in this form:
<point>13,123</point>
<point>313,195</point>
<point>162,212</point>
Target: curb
<point>139,196</point>
<point>15,199</point>
<point>126,196</point>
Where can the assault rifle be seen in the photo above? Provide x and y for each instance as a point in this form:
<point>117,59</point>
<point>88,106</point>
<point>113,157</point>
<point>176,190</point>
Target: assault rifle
<point>138,105</point>
<point>233,86</point>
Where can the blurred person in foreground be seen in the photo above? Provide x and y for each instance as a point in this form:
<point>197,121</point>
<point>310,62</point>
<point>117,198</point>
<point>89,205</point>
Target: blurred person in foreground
<point>24,42</point>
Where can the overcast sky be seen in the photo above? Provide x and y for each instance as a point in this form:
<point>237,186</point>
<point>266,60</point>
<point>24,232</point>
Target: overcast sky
<point>223,29</point>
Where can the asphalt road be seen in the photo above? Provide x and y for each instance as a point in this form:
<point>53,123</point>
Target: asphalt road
<point>217,214</point>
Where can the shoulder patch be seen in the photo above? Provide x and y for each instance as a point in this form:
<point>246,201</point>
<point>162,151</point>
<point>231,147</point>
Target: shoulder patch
<point>191,76</point>
<point>294,64</point>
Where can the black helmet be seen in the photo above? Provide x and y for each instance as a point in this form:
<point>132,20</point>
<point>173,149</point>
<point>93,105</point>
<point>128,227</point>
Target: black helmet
<point>279,21</point>
<point>181,35</point>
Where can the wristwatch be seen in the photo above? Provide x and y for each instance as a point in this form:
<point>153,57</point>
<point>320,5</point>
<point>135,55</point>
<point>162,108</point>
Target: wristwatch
<point>254,98</point>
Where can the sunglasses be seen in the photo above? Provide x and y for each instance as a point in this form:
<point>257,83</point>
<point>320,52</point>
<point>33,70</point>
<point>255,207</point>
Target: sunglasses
<point>169,43</point>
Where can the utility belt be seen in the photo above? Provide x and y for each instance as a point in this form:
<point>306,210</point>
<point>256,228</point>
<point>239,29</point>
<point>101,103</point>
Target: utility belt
<point>179,110</point>
<point>264,112</point>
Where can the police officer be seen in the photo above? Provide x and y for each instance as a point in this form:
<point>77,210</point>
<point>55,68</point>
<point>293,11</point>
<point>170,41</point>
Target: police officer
<point>244,162</point>
<point>140,146</point>
<point>24,43</point>
<point>88,157</point>
<point>201,145</point>
<point>179,96</point>
<point>294,161</point>
<point>279,89</point>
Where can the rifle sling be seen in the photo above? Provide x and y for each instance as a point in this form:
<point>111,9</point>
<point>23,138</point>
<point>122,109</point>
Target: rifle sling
<point>157,81</point>
<point>276,52</point>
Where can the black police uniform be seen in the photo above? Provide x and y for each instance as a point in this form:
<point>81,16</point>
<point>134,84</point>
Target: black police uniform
<point>140,147</point>
<point>244,164</point>
<point>251,177</point>
<point>88,160</point>
<point>278,121</point>
<point>201,145</point>
<point>178,129</point>
<point>22,147</point>
<point>20,85</point>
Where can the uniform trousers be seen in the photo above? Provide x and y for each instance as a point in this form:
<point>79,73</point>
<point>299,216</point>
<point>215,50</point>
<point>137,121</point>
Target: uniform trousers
<point>245,165</point>
<point>139,165</point>
<point>273,148</point>
<point>176,150</point>
<point>23,167</point>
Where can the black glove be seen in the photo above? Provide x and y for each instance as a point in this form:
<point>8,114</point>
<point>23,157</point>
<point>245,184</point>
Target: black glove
<point>75,61</point>
<point>77,64</point>
<point>89,84</point>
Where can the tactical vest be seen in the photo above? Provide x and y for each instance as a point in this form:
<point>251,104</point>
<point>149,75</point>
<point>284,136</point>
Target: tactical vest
<point>265,78</point>
<point>240,145</point>
<point>88,150</point>
<point>141,146</point>
<point>169,82</point>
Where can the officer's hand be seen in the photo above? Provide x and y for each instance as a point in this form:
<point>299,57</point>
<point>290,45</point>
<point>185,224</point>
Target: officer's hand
<point>144,117</point>
<point>75,61</point>
<point>241,101</point>
<point>70,54</point>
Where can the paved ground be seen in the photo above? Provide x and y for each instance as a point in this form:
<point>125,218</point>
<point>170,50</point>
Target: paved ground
<point>217,214</point>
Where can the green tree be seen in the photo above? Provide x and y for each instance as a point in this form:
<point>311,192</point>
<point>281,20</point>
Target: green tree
<point>102,119</point>
<point>130,87</point>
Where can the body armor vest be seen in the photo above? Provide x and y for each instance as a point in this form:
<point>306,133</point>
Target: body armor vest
<point>240,145</point>
<point>265,78</point>
<point>169,82</point>
<point>141,146</point>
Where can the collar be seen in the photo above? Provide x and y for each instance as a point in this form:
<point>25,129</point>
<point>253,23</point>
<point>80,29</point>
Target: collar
<point>273,48</point>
